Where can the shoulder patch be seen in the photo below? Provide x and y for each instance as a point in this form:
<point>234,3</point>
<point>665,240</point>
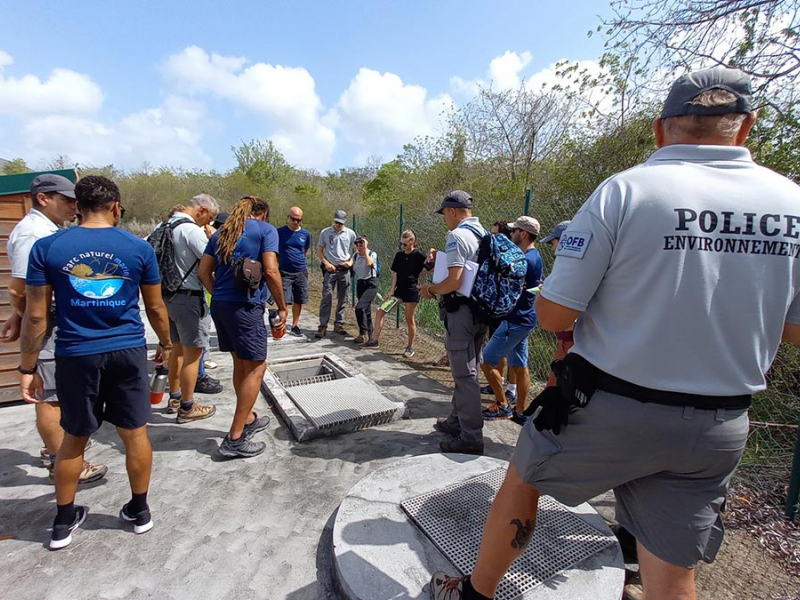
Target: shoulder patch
<point>574,244</point>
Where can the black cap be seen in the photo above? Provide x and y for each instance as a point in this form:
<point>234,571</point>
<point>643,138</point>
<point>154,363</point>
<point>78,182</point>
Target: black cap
<point>47,183</point>
<point>689,86</point>
<point>456,199</point>
<point>220,220</point>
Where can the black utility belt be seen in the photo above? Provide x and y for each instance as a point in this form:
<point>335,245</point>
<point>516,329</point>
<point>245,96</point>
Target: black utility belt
<point>452,301</point>
<point>186,293</point>
<point>615,385</point>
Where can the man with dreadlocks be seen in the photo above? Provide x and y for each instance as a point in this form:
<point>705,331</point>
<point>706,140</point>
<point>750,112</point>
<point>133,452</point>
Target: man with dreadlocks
<point>246,243</point>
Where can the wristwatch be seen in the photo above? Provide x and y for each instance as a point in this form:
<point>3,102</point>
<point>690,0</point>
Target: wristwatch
<point>28,371</point>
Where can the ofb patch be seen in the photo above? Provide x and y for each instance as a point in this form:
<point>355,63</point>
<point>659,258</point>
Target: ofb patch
<point>574,244</point>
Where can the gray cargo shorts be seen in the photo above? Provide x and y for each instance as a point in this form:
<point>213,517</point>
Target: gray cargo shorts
<point>46,367</point>
<point>189,320</point>
<point>669,467</point>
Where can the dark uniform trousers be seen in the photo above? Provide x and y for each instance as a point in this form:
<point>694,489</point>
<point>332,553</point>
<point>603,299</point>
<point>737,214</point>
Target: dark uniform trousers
<point>464,338</point>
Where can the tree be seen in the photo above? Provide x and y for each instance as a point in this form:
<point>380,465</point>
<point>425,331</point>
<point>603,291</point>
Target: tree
<point>760,37</point>
<point>262,162</point>
<point>15,167</point>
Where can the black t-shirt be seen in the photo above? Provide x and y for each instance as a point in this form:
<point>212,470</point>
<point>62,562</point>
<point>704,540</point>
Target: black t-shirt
<point>408,267</point>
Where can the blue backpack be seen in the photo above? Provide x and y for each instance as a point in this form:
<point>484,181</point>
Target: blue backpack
<point>500,279</point>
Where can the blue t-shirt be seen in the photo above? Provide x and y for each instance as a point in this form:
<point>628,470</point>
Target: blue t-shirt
<point>523,313</point>
<point>258,237</point>
<point>293,246</point>
<point>95,274</point>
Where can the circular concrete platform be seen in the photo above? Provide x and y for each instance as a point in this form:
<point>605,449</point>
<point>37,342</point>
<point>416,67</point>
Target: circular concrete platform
<point>380,553</point>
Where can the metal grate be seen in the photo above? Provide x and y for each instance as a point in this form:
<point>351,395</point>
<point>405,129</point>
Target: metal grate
<point>342,401</point>
<point>453,518</point>
<point>306,380</point>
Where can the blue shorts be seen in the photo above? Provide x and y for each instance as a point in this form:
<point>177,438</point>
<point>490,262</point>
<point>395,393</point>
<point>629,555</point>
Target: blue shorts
<point>112,386</point>
<point>509,341</point>
<point>240,329</point>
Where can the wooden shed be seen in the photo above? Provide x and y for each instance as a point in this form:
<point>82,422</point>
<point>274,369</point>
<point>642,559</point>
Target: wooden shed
<point>15,201</point>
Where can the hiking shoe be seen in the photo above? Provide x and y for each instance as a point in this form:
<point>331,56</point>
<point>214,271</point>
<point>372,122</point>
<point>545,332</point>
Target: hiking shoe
<point>241,448</point>
<point>372,344</point>
<point>142,521</point>
<point>443,587</point>
<point>320,332</point>
<point>173,405</point>
<point>409,352</point>
<point>89,474</point>
<point>520,419</point>
<point>62,534</point>
<point>442,426</point>
<point>296,331</point>
<point>198,412</point>
<point>339,328</point>
<point>487,390</point>
<point>361,339</point>
<point>496,411</point>
<point>511,397</point>
<point>457,445</point>
<point>207,385</point>
<point>258,424</point>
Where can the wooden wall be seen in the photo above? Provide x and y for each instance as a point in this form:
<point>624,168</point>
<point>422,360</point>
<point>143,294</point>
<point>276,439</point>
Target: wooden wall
<point>12,208</point>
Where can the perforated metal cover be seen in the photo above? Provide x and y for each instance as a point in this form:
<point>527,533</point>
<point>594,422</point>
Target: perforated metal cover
<point>340,401</point>
<point>453,518</point>
<point>306,380</point>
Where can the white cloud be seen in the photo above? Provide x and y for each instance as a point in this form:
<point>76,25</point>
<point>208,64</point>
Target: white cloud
<point>62,116</point>
<point>379,113</point>
<point>63,92</point>
<point>168,135</point>
<point>504,73</point>
<point>286,96</point>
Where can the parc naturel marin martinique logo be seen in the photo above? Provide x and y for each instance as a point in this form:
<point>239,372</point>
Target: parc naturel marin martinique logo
<point>98,276</point>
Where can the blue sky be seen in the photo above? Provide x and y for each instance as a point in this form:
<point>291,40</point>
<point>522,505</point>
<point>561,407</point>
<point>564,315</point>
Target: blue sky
<point>331,83</point>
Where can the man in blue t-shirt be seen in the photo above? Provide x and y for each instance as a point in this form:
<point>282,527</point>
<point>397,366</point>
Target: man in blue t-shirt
<point>510,340</point>
<point>294,244</point>
<point>95,273</point>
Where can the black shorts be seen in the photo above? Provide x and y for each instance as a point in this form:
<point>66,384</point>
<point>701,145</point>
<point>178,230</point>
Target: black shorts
<point>408,295</point>
<point>295,287</point>
<point>241,329</point>
<point>111,386</point>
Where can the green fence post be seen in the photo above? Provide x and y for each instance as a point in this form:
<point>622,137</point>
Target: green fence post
<point>528,194</point>
<point>402,227</point>
<point>352,276</point>
<point>793,500</point>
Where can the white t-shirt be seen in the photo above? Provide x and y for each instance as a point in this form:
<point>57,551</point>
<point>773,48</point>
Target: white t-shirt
<point>33,226</point>
<point>462,244</point>
<point>686,268</point>
<point>190,241</point>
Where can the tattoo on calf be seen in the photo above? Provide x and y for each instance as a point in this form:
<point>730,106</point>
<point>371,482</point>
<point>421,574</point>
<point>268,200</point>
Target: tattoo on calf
<point>524,533</point>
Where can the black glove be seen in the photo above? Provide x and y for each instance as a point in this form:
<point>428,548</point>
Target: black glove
<point>555,410</point>
<point>576,381</point>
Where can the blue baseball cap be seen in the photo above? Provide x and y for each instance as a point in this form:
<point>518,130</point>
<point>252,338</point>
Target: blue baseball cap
<point>557,232</point>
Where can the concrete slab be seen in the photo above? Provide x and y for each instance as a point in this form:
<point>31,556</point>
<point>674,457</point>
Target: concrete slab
<point>333,414</point>
<point>259,528</point>
<point>380,553</point>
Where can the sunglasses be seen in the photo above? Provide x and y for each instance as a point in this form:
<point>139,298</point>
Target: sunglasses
<point>121,212</point>
<point>295,219</point>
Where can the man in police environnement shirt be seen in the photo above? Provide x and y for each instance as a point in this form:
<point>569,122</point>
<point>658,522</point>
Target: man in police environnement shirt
<point>652,267</point>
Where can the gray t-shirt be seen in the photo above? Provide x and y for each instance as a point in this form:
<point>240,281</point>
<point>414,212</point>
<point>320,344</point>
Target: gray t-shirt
<point>462,244</point>
<point>360,267</point>
<point>337,247</point>
<point>190,242</point>
<point>686,268</point>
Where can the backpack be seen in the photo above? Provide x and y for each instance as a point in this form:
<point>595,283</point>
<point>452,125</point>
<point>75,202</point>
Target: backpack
<point>377,266</point>
<point>500,279</point>
<point>164,246</point>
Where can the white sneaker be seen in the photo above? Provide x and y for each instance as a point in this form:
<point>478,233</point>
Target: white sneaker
<point>409,352</point>
<point>210,364</point>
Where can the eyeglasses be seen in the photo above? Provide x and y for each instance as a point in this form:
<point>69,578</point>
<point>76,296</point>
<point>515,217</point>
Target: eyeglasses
<point>121,212</point>
<point>295,219</point>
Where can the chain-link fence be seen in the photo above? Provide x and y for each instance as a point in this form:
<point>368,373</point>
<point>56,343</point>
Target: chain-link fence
<point>775,411</point>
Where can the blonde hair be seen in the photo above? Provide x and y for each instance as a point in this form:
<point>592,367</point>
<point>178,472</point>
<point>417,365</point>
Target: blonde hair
<point>232,230</point>
<point>408,233</point>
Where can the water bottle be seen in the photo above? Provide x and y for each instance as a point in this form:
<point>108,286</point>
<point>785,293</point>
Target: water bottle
<point>274,321</point>
<point>158,383</point>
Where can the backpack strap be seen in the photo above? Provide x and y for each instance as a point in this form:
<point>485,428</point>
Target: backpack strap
<point>172,228</point>
<point>479,234</point>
